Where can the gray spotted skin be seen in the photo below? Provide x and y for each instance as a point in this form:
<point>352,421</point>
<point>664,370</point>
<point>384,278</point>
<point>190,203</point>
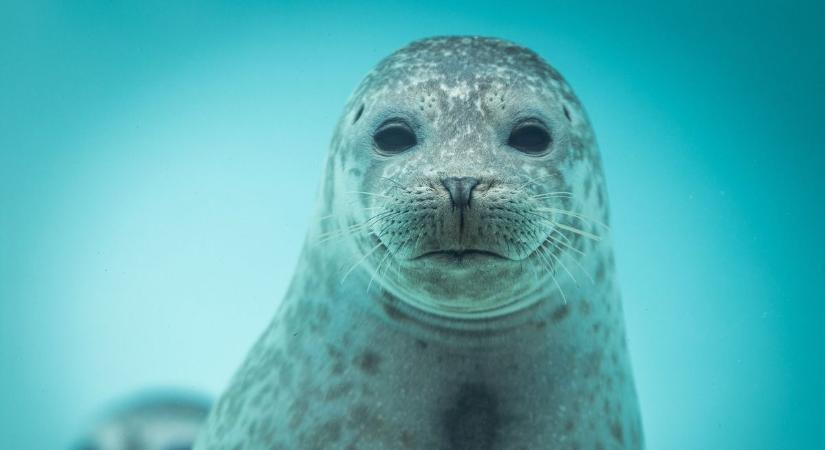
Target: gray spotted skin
<point>381,343</point>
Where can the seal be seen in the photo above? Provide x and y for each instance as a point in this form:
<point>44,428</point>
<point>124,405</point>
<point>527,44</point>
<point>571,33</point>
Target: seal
<point>456,289</point>
<point>161,420</point>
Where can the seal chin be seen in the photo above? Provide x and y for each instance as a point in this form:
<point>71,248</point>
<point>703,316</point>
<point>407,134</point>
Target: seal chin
<point>459,283</point>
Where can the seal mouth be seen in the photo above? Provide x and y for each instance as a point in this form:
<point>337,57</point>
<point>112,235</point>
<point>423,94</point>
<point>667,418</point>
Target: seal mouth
<point>460,255</point>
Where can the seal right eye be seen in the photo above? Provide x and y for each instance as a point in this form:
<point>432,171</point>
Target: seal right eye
<point>394,137</point>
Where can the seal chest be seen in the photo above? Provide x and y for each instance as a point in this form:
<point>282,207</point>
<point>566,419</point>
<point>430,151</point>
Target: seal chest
<point>456,288</point>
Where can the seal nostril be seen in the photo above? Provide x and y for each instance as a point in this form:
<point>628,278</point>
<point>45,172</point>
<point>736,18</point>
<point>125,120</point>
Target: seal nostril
<point>460,190</point>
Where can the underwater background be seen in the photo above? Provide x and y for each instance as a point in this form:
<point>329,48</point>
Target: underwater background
<point>159,163</point>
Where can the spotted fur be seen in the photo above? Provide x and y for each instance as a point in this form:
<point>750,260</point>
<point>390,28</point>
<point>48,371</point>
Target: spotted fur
<point>390,337</point>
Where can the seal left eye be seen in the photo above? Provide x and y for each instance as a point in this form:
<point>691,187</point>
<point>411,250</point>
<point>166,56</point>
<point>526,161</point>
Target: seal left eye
<point>394,137</point>
<point>530,137</point>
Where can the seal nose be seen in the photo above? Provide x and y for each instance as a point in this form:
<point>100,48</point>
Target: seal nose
<point>460,190</point>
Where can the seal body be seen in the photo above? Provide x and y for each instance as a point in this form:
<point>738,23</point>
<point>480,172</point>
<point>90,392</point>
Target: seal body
<point>456,290</point>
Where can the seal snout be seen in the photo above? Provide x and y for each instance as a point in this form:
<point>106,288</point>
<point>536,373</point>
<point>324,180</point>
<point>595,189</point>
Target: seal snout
<point>460,190</point>
<point>461,194</point>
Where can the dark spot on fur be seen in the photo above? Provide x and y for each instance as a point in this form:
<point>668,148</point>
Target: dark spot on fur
<point>323,437</point>
<point>297,410</point>
<point>561,313</point>
<point>566,113</point>
<point>592,363</point>
<point>421,344</point>
<point>600,270</point>
<point>368,362</point>
<point>616,432</point>
<point>359,415</point>
<point>338,390</point>
<point>358,114</point>
<point>338,367</point>
<point>473,422</point>
<point>407,439</point>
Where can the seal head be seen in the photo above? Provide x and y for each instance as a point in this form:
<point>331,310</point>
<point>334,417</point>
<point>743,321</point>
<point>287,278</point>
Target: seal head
<point>460,154</point>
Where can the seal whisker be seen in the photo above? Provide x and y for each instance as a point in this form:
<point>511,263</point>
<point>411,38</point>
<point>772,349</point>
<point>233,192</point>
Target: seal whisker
<point>341,232</point>
<point>574,214</point>
<point>395,182</point>
<point>572,229</point>
<point>352,229</point>
<point>578,231</point>
<point>389,253</point>
<point>568,244</point>
<point>559,262</point>
<point>559,194</point>
<point>548,221</point>
<point>369,193</point>
<point>330,216</point>
<point>361,260</point>
<point>533,180</point>
<point>552,273</point>
<point>378,268</point>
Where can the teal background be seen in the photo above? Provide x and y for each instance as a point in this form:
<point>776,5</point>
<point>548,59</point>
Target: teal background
<point>159,162</point>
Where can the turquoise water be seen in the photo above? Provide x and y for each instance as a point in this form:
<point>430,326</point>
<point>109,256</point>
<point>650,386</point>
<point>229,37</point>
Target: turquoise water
<point>158,166</point>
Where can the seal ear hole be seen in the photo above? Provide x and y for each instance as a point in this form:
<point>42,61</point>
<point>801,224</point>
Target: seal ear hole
<point>394,137</point>
<point>358,114</point>
<point>567,113</point>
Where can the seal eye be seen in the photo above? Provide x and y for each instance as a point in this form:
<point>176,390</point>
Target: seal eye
<point>394,137</point>
<point>530,137</point>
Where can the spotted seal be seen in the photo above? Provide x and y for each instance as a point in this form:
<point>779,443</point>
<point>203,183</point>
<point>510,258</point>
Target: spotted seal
<point>456,290</point>
<point>159,420</point>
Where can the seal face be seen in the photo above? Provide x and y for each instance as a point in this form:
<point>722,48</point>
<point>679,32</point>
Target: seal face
<point>456,290</point>
<point>463,152</point>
